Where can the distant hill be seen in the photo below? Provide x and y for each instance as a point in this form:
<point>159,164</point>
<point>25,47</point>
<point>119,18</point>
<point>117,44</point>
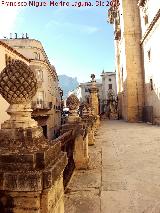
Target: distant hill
<point>67,84</point>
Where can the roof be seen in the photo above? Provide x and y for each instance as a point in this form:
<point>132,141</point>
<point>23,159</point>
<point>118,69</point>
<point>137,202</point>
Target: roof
<point>141,2</point>
<point>14,51</point>
<point>108,73</point>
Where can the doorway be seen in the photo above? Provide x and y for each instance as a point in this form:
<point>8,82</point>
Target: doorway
<point>44,131</point>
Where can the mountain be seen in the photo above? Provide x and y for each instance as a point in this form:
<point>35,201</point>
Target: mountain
<point>67,84</point>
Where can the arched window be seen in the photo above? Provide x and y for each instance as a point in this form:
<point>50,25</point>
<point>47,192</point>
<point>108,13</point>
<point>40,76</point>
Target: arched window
<point>9,60</point>
<point>40,75</point>
<point>146,19</point>
<point>36,56</point>
<point>6,59</point>
<point>149,55</point>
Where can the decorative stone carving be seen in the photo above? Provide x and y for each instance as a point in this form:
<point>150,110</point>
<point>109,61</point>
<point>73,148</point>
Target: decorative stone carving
<point>31,167</point>
<point>93,77</point>
<point>72,102</point>
<point>18,83</point>
<point>94,99</point>
<point>85,109</point>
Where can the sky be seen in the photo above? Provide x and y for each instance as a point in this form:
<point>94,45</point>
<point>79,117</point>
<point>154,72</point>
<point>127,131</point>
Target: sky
<point>78,41</point>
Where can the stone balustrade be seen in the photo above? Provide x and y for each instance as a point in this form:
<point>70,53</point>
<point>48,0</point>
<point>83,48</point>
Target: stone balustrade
<point>34,170</point>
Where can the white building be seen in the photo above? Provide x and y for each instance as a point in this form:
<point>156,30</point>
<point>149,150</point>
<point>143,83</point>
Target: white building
<point>108,83</point>
<point>83,93</point>
<point>150,27</point>
<point>76,92</point>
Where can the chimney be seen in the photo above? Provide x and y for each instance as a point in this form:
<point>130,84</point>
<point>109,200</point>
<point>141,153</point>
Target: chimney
<point>27,36</point>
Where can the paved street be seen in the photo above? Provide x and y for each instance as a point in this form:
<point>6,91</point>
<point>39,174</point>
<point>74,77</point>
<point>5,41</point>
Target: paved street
<point>124,172</point>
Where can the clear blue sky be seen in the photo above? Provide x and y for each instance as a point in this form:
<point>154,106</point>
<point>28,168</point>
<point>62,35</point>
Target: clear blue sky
<point>78,41</point>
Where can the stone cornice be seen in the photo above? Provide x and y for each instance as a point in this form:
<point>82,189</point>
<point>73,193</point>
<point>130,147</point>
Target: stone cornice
<point>53,73</point>
<point>150,27</point>
<point>14,51</point>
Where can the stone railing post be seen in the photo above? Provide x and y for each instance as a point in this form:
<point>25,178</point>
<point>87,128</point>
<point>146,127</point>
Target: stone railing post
<point>31,167</point>
<point>89,119</point>
<point>81,157</point>
<point>94,101</point>
<point>80,133</point>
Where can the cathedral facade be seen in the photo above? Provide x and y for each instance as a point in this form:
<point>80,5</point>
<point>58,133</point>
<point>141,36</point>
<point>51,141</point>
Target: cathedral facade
<point>136,30</point>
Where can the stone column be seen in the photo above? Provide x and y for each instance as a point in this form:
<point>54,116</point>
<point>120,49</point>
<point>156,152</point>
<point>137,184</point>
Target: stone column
<point>31,167</point>
<point>94,100</point>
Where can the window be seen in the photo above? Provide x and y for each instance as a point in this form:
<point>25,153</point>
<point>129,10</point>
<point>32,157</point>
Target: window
<point>122,74</point>
<point>110,86</point>
<point>110,79</point>
<point>151,83</point>
<point>86,90</point>
<point>36,56</point>
<point>40,97</point>
<point>146,19</point>
<point>149,55</point>
<point>39,75</point>
<point>9,60</point>
<point>6,59</point>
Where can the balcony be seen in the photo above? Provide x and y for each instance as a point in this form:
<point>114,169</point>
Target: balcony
<point>117,34</point>
<point>41,105</point>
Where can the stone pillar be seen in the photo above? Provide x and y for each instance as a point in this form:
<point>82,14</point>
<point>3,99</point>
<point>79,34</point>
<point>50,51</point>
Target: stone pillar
<point>80,133</point>
<point>91,134</point>
<point>89,119</point>
<point>81,158</point>
<point>94,100</point>
<point>31,167</point>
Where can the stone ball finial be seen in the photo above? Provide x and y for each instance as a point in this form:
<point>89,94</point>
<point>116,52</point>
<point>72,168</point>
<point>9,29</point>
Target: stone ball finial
<point>18,83</point>
<point>72,102</point>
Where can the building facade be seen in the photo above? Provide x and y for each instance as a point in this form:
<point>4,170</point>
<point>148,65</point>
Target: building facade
<point>84,93</point>
<point>150,28</point>
<point>108,84</point>
<point>136,34</point>
<point>46,104</point>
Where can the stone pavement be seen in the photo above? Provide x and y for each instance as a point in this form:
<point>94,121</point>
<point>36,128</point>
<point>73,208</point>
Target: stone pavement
<point>124,172</point>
